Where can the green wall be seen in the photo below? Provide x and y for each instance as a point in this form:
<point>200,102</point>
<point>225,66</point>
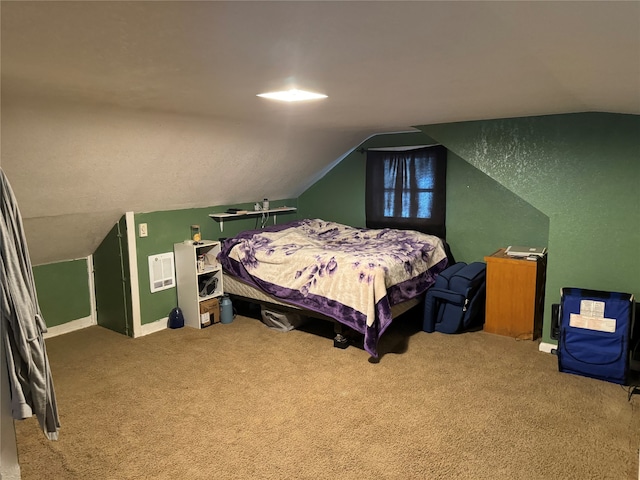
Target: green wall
<point>63,291</point>
<point>169,227</point>
<point>339,196</point>
<point>63,287</point>
<point>582,171</point>
<point>482,215</point>
<point>569,182</point>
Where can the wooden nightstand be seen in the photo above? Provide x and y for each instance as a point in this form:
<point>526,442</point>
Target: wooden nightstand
<point>515,295</point>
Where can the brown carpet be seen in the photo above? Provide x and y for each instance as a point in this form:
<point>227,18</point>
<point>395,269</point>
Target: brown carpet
<point>241,401</point>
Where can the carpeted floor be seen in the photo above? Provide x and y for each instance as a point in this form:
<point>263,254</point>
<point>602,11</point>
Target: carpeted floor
<point>241,401</point>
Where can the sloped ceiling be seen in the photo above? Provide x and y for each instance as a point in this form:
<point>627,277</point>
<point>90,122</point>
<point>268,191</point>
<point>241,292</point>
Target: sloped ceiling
<point>110,107</point>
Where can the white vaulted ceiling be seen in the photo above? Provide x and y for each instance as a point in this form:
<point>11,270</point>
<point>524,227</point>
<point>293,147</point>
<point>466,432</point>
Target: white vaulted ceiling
<point>110,107</point>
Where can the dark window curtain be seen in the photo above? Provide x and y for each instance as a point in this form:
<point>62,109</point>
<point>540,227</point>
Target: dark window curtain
<point>407,189</point>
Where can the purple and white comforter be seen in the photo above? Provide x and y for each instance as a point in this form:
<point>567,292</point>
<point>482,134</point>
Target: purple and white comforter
<point>353,275</point>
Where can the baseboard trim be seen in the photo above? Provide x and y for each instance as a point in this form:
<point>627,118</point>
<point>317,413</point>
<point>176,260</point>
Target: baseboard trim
<point>153,327</point>
<point>547,347</point>
<point>11,472</point>
<point>71,326</point>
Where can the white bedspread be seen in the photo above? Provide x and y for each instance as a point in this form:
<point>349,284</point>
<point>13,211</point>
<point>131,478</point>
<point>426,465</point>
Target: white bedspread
<point>352,266</point>
<point>348,273</point>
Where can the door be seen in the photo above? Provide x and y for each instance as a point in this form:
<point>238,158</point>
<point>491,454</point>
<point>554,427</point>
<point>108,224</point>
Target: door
<point>111,277</point>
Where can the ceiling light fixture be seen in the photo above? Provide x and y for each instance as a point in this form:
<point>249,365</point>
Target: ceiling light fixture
<point>292,95</point>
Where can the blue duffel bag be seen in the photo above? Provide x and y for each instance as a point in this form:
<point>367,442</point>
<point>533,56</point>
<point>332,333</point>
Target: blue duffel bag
<point>456,300</point>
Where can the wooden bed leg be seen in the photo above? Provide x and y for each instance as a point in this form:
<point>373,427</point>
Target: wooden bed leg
<point>339,341</point>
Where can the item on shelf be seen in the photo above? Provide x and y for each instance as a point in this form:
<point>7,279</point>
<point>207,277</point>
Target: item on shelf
<point>201,263</point>
<point>265,204</point>
<point>207,286</point>
<point>209,312</point>
<point>196,236</point>
<point>517,251</point>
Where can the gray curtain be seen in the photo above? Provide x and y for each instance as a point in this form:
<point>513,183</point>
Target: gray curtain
<point>407,189</point>
<point>22,323</point>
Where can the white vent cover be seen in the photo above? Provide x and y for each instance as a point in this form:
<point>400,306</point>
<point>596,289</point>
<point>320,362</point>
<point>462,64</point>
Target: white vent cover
<point>162,272</point>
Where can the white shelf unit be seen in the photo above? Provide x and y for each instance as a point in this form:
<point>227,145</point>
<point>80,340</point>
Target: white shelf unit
<point>188,277</point>
<point>273,212</point>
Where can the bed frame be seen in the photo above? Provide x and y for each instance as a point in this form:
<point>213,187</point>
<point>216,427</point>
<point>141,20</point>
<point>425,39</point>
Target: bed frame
<point>243,291</point>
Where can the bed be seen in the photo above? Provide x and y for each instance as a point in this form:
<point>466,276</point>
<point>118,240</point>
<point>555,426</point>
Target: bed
<point>361,278</point>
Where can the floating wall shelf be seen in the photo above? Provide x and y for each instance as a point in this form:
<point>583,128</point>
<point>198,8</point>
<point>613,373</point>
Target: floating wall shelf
<point>273,212</point>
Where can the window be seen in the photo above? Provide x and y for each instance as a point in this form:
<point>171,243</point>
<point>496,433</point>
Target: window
<point>407,189</point>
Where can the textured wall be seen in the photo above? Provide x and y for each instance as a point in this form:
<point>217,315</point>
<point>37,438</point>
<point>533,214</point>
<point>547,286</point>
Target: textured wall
<point>481,214</point>
<point>580,170</point>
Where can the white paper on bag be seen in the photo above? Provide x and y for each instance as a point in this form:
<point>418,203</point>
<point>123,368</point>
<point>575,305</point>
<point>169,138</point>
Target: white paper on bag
<point>599,324</point>
<point>592,308</point>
